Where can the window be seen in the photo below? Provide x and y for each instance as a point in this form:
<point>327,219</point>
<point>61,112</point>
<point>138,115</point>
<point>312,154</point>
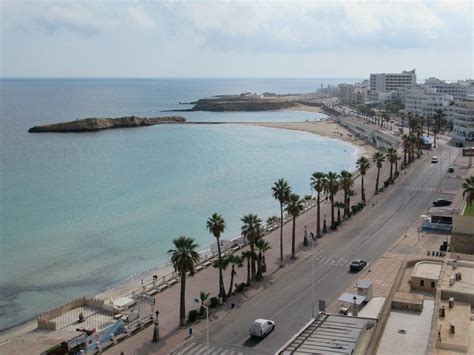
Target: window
<point>422,283</point>
<point>432,284</point>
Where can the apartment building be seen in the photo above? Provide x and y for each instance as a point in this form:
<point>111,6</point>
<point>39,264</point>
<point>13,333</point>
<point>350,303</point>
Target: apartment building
<point>462,116</point>
<point>459,90</point>
<point>386,82</point>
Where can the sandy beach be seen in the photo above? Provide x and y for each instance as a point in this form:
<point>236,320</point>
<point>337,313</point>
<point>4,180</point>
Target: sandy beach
<point>329,129</point>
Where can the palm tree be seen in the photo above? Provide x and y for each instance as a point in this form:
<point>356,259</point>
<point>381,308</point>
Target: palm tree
<point>468,190</point>
<point>346,184</point>
<point>294,207</point>
<point>332,187</point>
<point>363,165</point>
<point>318,181</point>
<point>184,258</point>
<point>252,231</point>
<point>378,159</point>
<point>281,190</point>
<point>203,296</point>
<point>262,246</point>
<point>216,226</point>
<point>233,260</point>
<point>392,157</point>
<point>438,123</point>
<point>339,205</point>
<point>249,256</point>
<point>406,147</point>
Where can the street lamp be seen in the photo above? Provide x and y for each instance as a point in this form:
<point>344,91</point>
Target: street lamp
<point>312,281</point>
<point>197,300</point>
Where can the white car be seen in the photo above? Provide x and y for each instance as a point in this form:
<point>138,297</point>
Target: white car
<point>260,328</point>
<point>434,160</point>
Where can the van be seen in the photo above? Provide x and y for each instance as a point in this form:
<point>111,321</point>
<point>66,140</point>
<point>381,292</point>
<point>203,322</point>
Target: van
<point>434,159</point>
<point>260,328</point>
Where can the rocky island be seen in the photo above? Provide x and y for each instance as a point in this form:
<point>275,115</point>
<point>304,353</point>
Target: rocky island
<point>251,102</point>
<point>96,124</point>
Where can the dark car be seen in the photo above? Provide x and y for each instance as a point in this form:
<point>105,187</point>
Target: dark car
<point>451,169</point>
<point>441,202</point>
<point>357,265</point>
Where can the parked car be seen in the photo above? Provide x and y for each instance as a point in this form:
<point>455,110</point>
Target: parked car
<point>260,328</point>
<point>441,202</point>
<point>434,159</point>
<point>357,265</point>
<point>451,169</point>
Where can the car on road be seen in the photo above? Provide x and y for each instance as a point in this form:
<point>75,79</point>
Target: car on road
<point>451,169</point>
<point>357,264</point>
<point>441,202</point>
<point>434,159</point>
<point>260,328</point>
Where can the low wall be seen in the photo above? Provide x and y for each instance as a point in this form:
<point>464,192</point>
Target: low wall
<point>361,130</point>
<point>44,319</point>
<point>462,239</point>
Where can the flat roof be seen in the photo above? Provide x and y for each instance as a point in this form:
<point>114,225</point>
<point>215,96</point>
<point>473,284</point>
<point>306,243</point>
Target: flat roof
<point>427,270</point>
<point>332,334</point>
<point>364,283</point>
<point>349,298</point>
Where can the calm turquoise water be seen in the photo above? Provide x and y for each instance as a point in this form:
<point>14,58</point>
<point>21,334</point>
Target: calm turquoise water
<point>80,212</point>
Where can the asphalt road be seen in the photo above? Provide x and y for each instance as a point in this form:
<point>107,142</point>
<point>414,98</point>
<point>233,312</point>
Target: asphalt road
<point>289,300</point>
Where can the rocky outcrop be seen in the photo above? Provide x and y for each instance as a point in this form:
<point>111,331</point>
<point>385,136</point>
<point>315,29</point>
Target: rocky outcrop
<point>95,124</point>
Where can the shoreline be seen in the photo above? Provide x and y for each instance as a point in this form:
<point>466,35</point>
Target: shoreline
<point>325,128</point>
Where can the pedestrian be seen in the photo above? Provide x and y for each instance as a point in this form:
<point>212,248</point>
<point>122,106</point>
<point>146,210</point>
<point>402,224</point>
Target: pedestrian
<point>312,236</point>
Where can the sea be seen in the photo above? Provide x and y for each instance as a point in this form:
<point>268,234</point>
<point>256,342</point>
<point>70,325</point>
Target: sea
<point>81,212</point>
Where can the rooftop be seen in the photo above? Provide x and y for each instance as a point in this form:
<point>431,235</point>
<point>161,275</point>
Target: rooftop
<point>459,317</point>
<point>427,270</point>
<point>332,334</point>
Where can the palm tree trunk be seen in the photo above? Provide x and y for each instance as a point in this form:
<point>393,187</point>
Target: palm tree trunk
<point>252,262</point>
<point>396,166</point>
<point>332,210</point>
<point>377,181</point>
<point>338,215</point>
<point>362,187</point>
<point>346,204</point>
<point>182,305</point>
<point>404,157</point>
<point>259,262</point>
<point>281,234</point>
<point>248,272</point>
<point>318,220</point>
<point>221,278</point>
<point>293,239</point>
<point>232,274</point>
<point>391,170</point>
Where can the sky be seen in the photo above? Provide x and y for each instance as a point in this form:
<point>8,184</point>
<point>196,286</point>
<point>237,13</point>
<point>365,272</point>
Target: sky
<point>318,39</point>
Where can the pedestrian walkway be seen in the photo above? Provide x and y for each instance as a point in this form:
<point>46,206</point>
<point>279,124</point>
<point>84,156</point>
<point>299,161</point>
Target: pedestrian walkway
<point>194,348</point>
<point>336,262</point>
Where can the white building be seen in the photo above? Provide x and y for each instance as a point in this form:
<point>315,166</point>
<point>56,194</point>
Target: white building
<point>462,116</point>
<point>346,93</point>
<point>459,90</point>
<point>386,82</point>
<point>422,100</point>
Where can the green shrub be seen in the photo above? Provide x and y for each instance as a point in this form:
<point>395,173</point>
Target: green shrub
<point>214,302</point>
<point>192,316</point>
<point>240,287</point>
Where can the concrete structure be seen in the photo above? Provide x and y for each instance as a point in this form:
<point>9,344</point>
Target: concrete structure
<point>408,301</point>
<point>455,319</point>
<point>386,82</point>
<point>424,101</point>
<point>346,93</point>
<point>332,334</point>
<point>461,114</point>
<point>364,288</point>
<point>462,239</point>
<point>425,275</point>
<point>407,332</point>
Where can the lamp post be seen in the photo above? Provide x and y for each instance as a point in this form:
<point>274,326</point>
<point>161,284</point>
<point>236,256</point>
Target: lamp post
<point>312,280</point>
<point>197,300</point>
<point>156,329</point>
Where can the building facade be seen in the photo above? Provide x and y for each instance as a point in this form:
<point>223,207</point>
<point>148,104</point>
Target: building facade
<point>461,114</point>
<point>386,82</point>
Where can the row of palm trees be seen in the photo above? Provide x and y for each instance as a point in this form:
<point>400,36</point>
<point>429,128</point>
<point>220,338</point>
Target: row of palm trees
<point>184,256</point>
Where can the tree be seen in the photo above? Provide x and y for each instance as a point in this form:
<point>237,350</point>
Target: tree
<point>281,190</point>
<point>438,123</point>
<point>339,205</point>
<point>406,147</point>
<point>216,226</point>
<point>392,157</point>
<point>468,190</point>
<point>233,260</point>
<point>294,207</point>
<point>249,256</point>
<point>318,181</point>
<point>332,187</point>
<point>184,258</point>
<point>363,165</point>
<point>346,183</point>
<point>378,159</point>
<point>262,246</point>
<point>203,296</point>
<point>252,231</point>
